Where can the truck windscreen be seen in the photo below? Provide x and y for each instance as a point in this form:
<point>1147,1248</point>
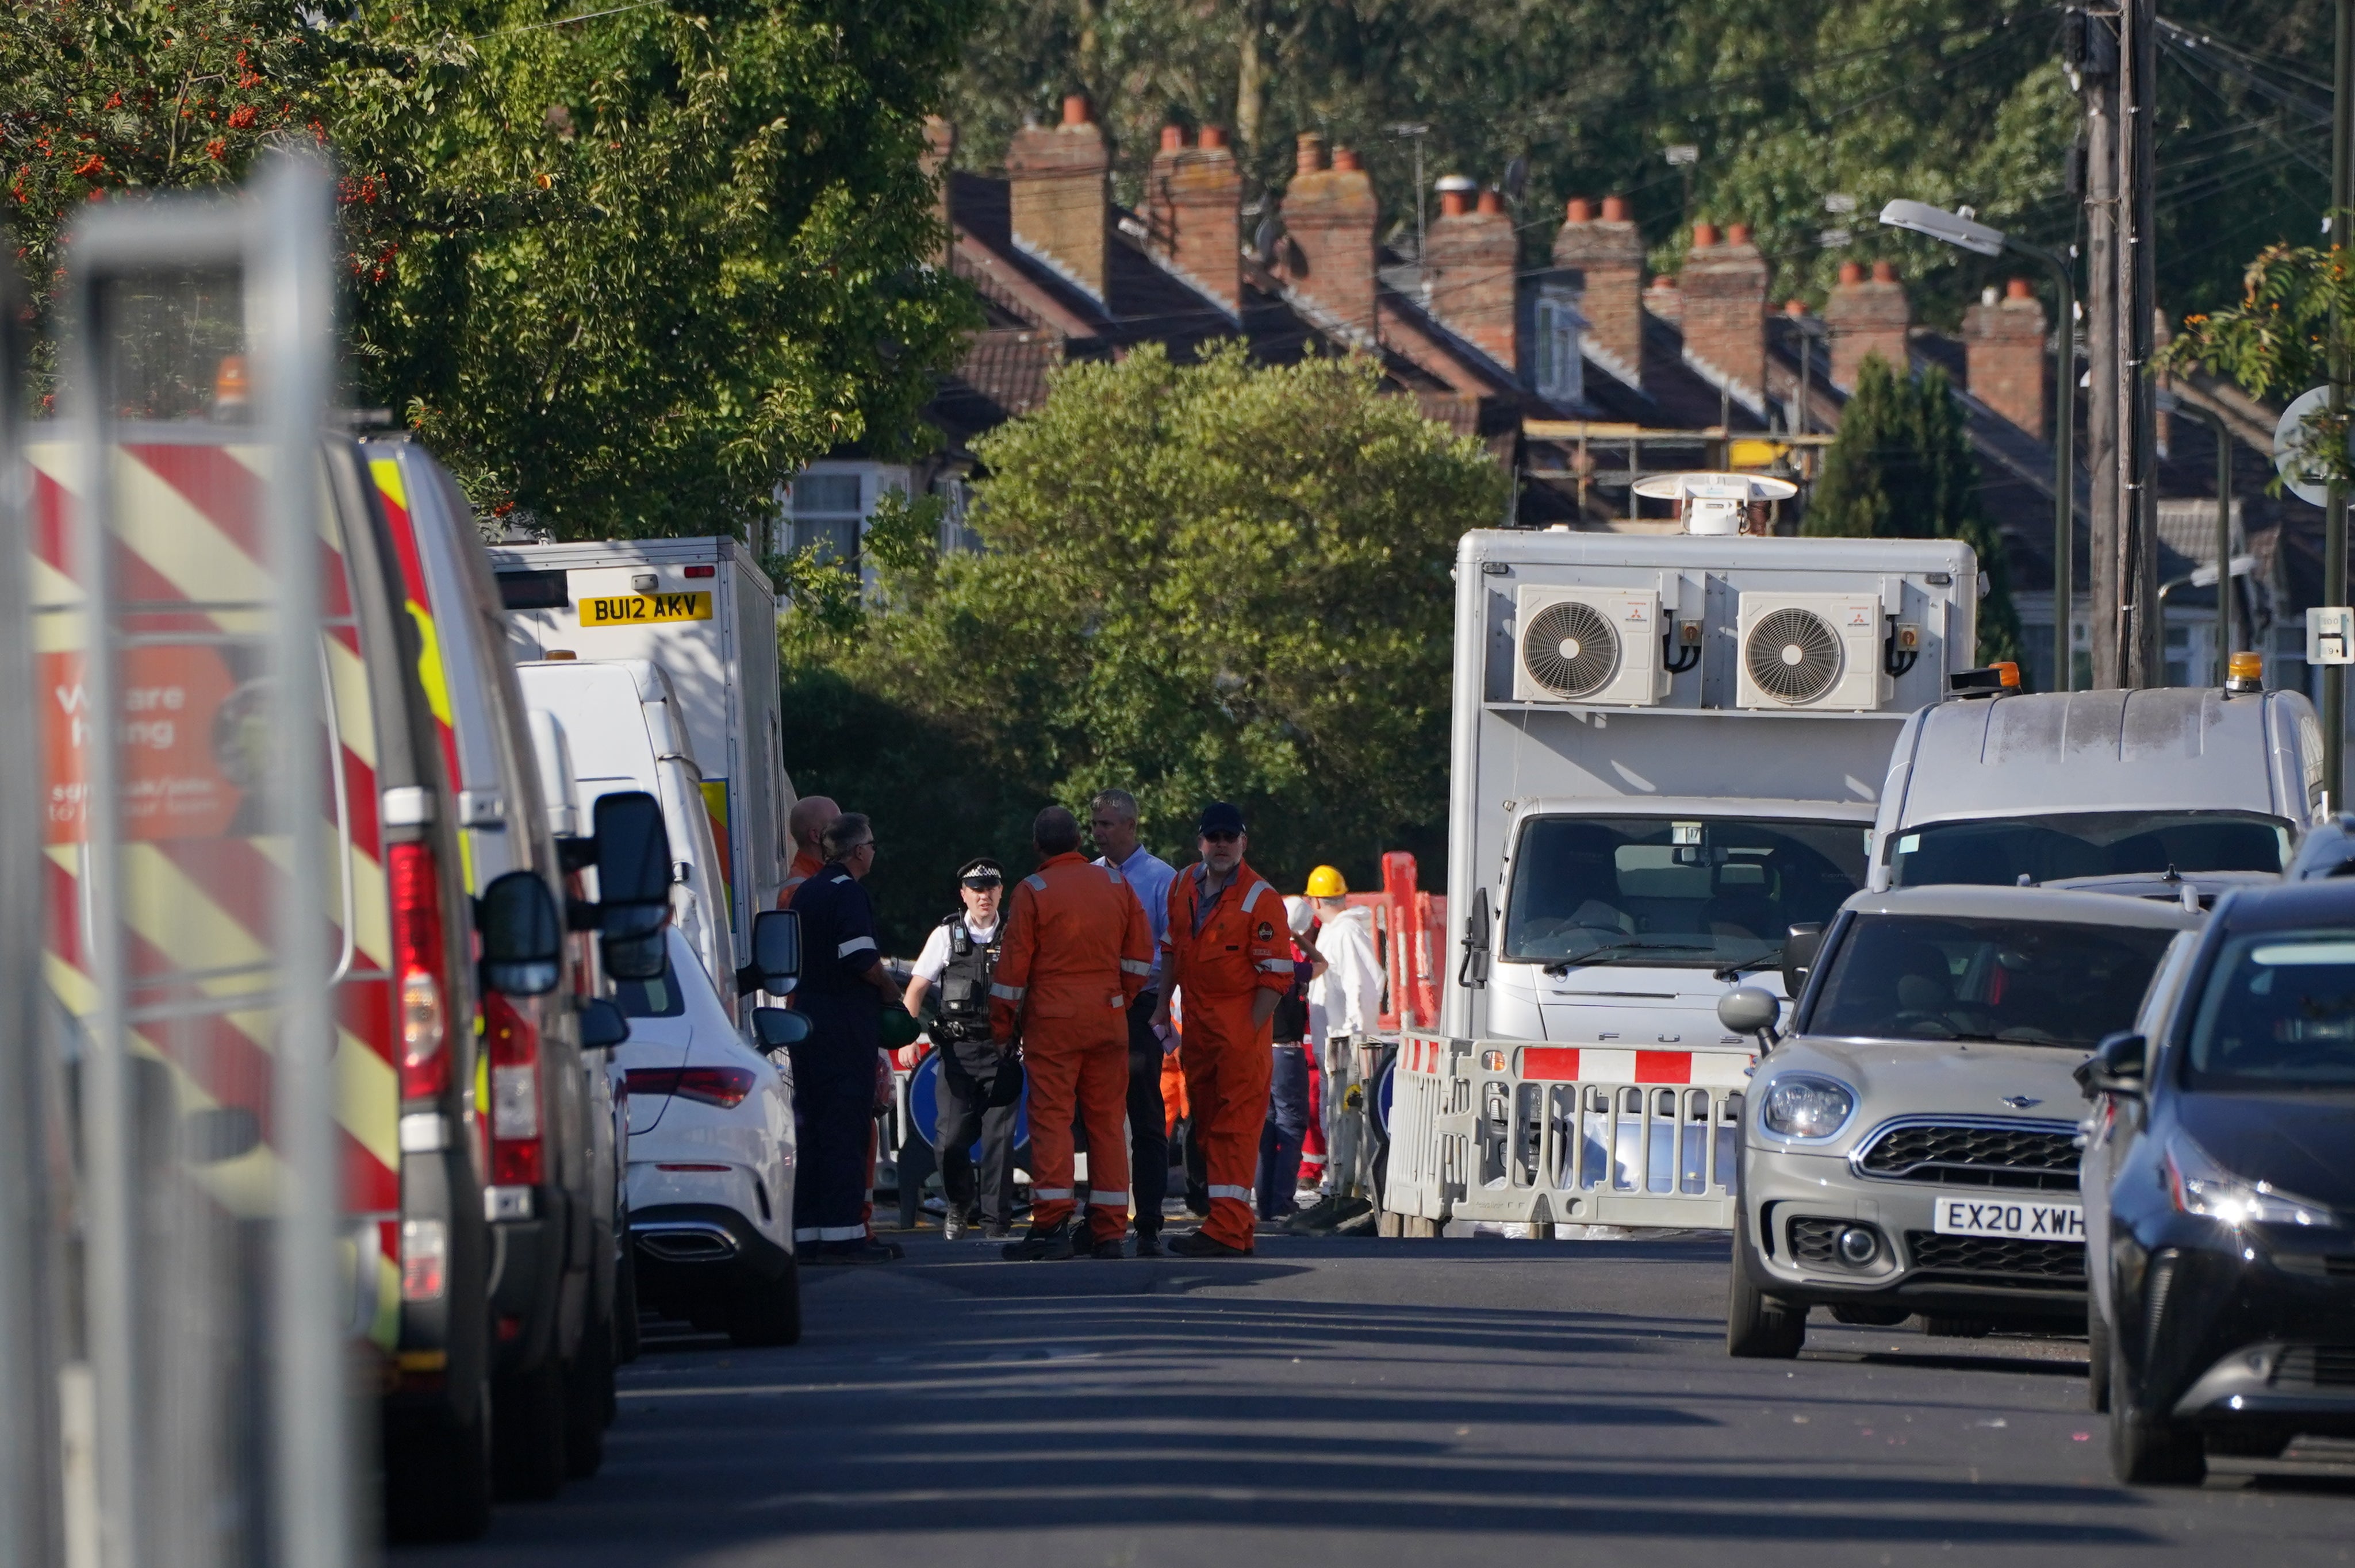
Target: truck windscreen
<point>2043,982</point>
<point>1652,890</point>
<point>2000,850</point>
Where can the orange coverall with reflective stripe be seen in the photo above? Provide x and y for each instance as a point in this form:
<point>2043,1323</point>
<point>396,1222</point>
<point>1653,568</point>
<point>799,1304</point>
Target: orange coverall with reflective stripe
<point>1077,951</point>
<point>1241,949</point>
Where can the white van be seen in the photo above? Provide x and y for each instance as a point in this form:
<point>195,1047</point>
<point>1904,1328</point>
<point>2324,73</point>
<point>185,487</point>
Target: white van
<point>622,723</point>
<point>2074,785</point>
<point>703,611</point>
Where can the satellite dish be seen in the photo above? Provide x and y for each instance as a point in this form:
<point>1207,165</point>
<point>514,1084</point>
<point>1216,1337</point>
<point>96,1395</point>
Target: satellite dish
<point>1517,178</point>
<point>2289,437</point>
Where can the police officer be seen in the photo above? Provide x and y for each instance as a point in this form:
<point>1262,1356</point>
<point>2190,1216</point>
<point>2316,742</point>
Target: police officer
<point>844,988</point>
<point>980,1087</point>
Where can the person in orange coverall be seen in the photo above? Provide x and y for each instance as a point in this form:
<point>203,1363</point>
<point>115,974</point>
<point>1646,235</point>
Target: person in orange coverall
<point>1229,953</point>
<point>1077,951</point>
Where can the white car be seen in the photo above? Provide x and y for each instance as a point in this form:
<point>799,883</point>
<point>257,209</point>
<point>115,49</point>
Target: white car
<point>710,1159</point>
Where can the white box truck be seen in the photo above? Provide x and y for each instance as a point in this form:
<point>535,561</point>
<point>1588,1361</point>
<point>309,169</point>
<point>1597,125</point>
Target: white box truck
<point>1668,750</point>
<point>703,610</point>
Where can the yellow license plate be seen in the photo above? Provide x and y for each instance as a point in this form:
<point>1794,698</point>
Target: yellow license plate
<point>643,609</point>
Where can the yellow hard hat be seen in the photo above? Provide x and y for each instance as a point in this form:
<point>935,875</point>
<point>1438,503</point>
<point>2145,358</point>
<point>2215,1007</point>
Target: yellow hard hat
<point>1326,882</point>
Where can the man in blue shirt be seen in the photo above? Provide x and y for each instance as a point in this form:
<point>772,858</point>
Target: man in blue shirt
<point>844,988</point>
<point>1112,820</point>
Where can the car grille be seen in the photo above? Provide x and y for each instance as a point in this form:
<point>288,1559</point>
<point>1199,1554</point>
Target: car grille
<point>1811,1241</point>
<point>2059,1263</point>
<point>2316,1366</point>
<point>2039,1157</point>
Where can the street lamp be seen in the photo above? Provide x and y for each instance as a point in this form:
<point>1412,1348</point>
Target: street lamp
<point>1968,234</point>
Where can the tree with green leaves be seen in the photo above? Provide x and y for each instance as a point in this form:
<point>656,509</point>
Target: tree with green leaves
<point>1902,468</point>
<point>1206,582</point>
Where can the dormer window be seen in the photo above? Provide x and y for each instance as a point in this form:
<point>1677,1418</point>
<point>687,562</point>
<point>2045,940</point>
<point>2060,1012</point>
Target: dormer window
<point>1560,369</point>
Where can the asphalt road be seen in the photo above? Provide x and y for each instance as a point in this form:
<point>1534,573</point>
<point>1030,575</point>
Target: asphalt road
<point>1359,1402</point>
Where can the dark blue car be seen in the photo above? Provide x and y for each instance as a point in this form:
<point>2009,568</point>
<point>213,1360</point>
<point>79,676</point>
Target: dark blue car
<point>2219,1190</point>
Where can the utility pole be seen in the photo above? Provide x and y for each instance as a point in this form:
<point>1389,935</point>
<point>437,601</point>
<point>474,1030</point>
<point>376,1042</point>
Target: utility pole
<point>2098,50</point>
<point>2334,514</point>
<point>2140,636</point>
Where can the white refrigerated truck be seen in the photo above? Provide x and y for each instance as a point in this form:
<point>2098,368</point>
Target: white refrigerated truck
<point>702,609</point>
<point>1667,749</point>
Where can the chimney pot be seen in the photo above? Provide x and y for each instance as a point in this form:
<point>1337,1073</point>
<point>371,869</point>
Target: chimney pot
<point>1452,204</point>
<point>2019,288</point>
<point>1492,202</point>
<point>1579,211</point>
<point>1075,109</point>
<point>1737,234</point>
<point>1704,236</point>
<point>1213,137</point>
<point>1851,273</point>
<point>1308,154</point>
<point>1615,209</point>
<point>1173,137</point>
<point>1345,159</point>
<point>1884,271</point>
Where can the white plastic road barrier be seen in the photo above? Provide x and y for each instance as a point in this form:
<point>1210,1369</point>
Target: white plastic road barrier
<point>1547,1134</point>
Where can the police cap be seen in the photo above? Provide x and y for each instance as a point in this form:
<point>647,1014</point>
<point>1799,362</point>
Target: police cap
<point>982,872</point>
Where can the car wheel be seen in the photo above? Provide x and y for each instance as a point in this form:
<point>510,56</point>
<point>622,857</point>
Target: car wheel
<point>1756,1324</point>
<point>527,1444</point>
<point>437,1477</point>
<point>2097,1359</point>
<point>769,1312</point>
<point>1956,1328</point>
<point>2148,1449</point>
<point>626,1343</point>
<point>588,1402</point>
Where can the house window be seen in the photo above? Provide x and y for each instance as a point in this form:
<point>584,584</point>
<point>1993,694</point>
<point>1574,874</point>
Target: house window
<point>1558,365</point>
<point>958,537</point>
<point>824,509</point>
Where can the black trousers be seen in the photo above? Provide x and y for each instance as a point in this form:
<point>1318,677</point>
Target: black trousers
<point>833,1098</point>
<point>1148,1126</point>
<point>980,1093</point>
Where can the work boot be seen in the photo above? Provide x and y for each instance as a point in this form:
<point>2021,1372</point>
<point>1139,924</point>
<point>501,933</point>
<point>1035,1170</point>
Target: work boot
<point>952,1226</point>
<point>1329,1214</point>
<point>1194,1244</point>
<point>997,1230</point>
<point>1107,1247</point>
<point>1050,1245</point>
<point>1148,1243</point>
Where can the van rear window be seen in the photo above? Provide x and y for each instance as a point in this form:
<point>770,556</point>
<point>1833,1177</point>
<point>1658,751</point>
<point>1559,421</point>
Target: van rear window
<point>2000,850</point>
<point>534,591</point>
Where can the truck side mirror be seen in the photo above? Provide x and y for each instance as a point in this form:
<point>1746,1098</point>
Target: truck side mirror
<point>2115,1067</point>
<point>522,935</point>
<point>603,1025</point>
<point>776,953</point>
<point>1800,945</point>
<point>778,1027</point>
<point>1750,1010</point>
<point>1473,973</point>
<point>632,883</point>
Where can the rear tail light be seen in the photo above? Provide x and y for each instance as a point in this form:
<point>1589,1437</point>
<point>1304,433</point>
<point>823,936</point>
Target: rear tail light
<point>421,988</point>
<point>519,1156</point>
<point>424,1259</point>
<point>722,1087</point>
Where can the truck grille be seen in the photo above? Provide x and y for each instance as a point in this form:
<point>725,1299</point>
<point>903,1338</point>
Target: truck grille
<point>2060,1264</point>
<point>2038,1156</point>
<point>2315,1366</point>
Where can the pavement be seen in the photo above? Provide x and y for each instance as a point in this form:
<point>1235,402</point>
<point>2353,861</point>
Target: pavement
<point>1347,1402</point>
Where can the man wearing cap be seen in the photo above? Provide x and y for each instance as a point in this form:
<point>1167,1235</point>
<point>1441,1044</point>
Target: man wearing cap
<point>1111,822</point>
<point>1076,954</point>
<point>980,1089</point>
<point>1228,954</point>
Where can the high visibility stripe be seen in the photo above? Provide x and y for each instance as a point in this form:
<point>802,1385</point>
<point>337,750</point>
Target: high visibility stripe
<point>1136,965</point>
<point>1051,1195</point>
<point>842,1233</point>
<point>1253,896</point>
<point>1036,883</point>
<point>1108,1200</point>
<point>1276,966</point>
<point>807,1232</point>
<point>1005,993</point>
<point>1242,1194</point>
<point>855,945</point>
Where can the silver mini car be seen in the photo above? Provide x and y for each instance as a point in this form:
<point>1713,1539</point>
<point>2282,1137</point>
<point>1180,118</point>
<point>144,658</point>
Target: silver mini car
<point>1911,1145</point>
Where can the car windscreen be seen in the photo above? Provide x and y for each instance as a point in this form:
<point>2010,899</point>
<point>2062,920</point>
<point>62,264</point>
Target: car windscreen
<point>2000,850</point>
<point>1656,890</point>
<point>2028,983</point>
<point>2278,1012</point>
<point>653,998</point>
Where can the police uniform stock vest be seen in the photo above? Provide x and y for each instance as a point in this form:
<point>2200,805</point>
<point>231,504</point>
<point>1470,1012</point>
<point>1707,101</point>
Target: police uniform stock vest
<point>964,1004</point>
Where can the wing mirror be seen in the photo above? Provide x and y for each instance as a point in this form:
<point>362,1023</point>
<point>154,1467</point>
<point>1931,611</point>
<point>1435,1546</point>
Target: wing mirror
<point>603,1025</point>
<point>522,933</point>
<point>778,1027</point>
<point>632,883</point>
<point>776,953</point>
<point>1750,1010</point>
<point>2115,1067</point>
<point>1800,945</point>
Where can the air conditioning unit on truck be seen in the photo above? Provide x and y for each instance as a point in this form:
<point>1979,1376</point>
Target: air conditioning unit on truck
<point>1666,751</point>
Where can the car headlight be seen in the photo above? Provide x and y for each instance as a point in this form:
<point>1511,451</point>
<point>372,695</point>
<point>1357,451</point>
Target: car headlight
<point>1802,1105</point>
<point>2200,1186</point>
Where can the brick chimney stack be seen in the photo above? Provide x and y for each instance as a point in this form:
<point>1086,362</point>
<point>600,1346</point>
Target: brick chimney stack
<point>1610,254</point>
<point>1724,287</point>
<point>1061,214</point>
<point>1329,215</point>
<point>1469,266</point>
<point>940,147</point>
<point>1866,317</point>
<point>2004,342</point>
<point>1193,211</point>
